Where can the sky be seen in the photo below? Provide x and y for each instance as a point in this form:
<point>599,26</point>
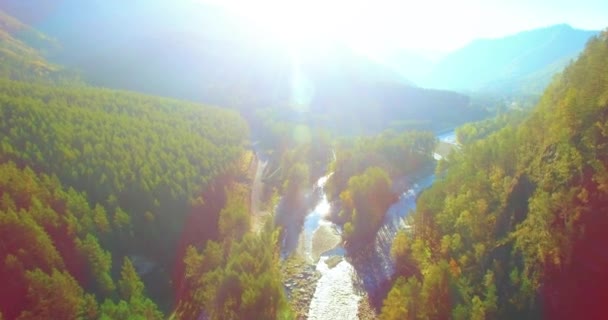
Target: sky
<point>379,26</point>
<point>424,26</point>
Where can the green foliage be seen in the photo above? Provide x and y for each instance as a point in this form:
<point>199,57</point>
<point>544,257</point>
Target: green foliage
<point>398,154</point>
<point>234,217</point>
<point>100,262</point>
<point>142,159</point>
<point>50,251</point>
<point>400,302</point>
<point>298,178</point>
<point>241,283</point>
<point>130,286</point>
<point>361,177</point>
<point>139,309</point>
<point>401,251</point>
<point>121,219</point>
<point>56,295</point>
<point>134,304</point>
<point>471,132</point>
<point>364,203</point>
<point>237,276</point>
<point>107,142</point>
<point>517,213</point>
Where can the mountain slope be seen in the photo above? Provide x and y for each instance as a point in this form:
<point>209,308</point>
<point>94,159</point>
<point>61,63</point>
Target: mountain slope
<point>142,161</point>
<point>516,227</point>
<point>203,53</point>
<point>509,64</point>
<point>23,53</point>
<point>157,173</point>
<point>50,245</point>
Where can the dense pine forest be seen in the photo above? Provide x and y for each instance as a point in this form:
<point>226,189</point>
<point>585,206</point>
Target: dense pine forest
<point>142,165</point>
<point>124,205</point>
<point>51,252</point>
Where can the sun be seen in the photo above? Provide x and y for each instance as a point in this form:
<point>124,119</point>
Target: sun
<point>305,25</point>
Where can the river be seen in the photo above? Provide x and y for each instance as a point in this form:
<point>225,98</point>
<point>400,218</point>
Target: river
<point>342,286</point>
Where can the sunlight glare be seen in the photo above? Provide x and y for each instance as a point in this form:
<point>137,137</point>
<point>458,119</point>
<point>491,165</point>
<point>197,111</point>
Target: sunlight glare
<point>368,26</point>
<point>304,25</point>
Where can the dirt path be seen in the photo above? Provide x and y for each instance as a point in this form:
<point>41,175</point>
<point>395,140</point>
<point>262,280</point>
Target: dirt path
<point>258,215</point>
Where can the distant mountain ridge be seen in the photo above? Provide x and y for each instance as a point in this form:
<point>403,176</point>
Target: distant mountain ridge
<point>206,54</point>
<point>22,51</point>
<point>510,64</point>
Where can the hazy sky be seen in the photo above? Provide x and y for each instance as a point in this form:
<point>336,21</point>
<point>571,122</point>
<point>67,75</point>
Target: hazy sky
<point>427,25</point>
<point>376,25</point>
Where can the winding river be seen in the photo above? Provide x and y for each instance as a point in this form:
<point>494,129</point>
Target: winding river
<point>342,286</point>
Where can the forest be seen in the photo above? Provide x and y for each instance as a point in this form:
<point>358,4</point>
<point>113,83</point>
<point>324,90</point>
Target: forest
<point>515,226</point>
<point>105,190</point>
<point>362,173</point>
<point>121,172</point>
<point>50,244</point>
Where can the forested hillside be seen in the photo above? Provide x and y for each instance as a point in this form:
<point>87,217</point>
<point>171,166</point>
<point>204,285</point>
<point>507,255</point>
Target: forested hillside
<point>53,265</point>
<point>474,131</point>
<point>517,226</point>
<point>23,53</point>
<point>105,190</point>
<point>147,156</point>
<point>142,162</point>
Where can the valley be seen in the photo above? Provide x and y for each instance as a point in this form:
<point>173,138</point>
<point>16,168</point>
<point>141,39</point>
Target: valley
<point>342,287</point>
<point>195,161</point>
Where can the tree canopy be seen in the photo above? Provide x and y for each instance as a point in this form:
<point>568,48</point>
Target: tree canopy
<point>514,228</point>
<point>53,265</point>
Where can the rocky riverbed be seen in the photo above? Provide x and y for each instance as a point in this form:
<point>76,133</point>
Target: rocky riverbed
<point>300,280</point>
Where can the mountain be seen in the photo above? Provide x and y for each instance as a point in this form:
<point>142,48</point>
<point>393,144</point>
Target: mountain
<point>410,64</point>
<point>520,63</point>
<point>207,54</point>
<point>23,52</point>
